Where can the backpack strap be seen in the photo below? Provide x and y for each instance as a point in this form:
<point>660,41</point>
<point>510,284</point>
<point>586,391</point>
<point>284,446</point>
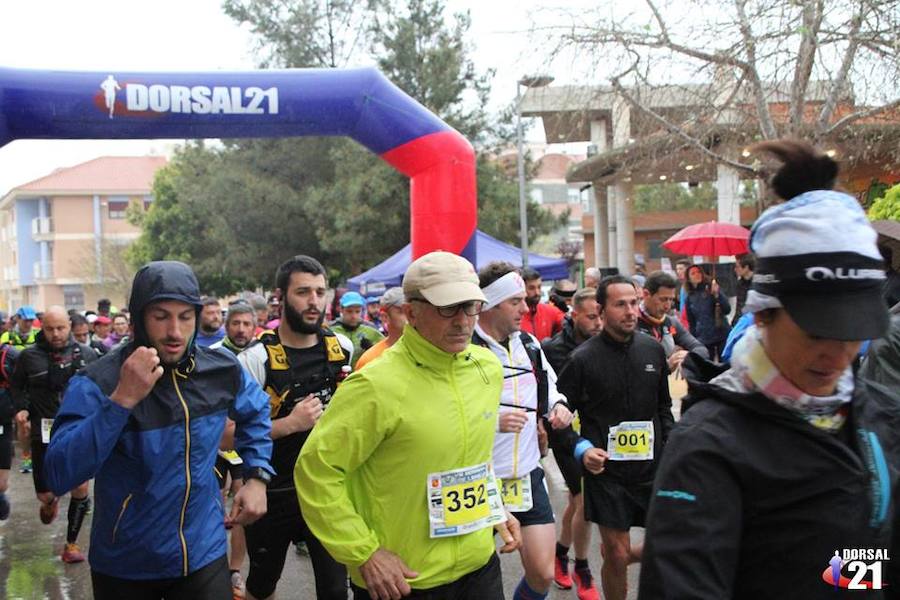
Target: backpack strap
<point>540,373</point>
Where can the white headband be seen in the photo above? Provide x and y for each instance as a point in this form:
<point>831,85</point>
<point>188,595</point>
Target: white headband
<point>507,286</point>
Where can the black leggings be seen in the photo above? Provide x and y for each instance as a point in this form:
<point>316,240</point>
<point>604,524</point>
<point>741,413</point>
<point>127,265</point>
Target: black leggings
<point>268,541</point>
<point>484,584</point>
<point>212,582</point>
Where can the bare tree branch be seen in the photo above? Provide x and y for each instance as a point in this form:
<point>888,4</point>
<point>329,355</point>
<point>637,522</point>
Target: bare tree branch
<point>861,114</point>
<point>813,12</point>
<point>673,128</point>
<point>762,105</point>
<point>840,80</point>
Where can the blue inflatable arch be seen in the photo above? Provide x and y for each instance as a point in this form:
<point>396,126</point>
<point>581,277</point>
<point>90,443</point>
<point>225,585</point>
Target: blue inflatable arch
<point>358,103</point>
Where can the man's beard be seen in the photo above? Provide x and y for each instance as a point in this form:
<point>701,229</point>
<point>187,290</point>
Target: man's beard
<point>209,329</point>
<point>295,321</point>
<point>532,301</point>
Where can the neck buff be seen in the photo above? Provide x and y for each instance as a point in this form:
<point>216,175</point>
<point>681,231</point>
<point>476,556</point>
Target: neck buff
<point>752,371</point>
<point>650,318</point>
<point>507,286</point>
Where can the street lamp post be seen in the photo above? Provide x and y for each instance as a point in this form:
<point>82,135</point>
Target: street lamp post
<point>528,82</point>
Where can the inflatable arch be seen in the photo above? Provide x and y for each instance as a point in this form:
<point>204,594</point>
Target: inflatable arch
<point>358,103</point>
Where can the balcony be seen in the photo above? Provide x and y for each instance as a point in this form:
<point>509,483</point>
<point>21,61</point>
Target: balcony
<point>41,228</point>
<point>43,270</point>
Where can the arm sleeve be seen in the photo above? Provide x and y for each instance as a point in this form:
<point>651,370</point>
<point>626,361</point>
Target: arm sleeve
<point>352,428</point>
<point>18,386</point>
<point>569,385</point>
<point>85,431</point>
<point>254,362</point>
<point>724,303</point>
<point>695,497</point>
<point>250,412</point>
<point>664,399</point>
<point>684,339</point>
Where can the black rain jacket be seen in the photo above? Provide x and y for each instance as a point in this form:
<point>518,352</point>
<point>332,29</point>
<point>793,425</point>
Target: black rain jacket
<point>751,501</point>
<point>608,382</point>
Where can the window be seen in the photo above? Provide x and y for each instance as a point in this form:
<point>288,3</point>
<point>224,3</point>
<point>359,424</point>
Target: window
<point>147,200</point>
<point>73,296</point>
<point>654,248</point>
<point>117,205</point>
<point>573,196</point>
<point>537,195</point>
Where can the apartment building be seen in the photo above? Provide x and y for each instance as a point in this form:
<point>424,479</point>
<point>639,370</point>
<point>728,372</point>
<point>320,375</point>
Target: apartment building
<point>63,236</point>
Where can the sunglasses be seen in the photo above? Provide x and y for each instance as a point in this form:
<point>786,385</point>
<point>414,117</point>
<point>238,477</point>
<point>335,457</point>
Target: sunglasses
<point>471,309</point>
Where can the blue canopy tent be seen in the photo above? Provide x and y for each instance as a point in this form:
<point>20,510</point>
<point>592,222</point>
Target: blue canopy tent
<point>390,272</point>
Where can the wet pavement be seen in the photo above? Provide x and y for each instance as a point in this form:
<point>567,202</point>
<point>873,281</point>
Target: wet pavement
<point>31,568</point>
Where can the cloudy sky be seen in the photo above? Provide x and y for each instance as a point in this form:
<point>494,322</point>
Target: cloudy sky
<point>170,35</point>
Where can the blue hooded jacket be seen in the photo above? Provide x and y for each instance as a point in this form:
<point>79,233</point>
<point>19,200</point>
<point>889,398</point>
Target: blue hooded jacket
<point>158,512</point>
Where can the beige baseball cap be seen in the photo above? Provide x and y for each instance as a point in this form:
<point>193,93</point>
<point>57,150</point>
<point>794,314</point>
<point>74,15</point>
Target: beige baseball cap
<point>443,279</point>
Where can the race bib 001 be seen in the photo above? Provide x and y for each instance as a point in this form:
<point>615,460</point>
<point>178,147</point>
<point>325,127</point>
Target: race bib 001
<point>516,494</point>
<point>46,425</point>
<point>463,500</point>
<point>631,440</point>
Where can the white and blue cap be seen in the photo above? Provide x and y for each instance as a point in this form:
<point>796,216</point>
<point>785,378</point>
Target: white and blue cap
<point>817,257</point>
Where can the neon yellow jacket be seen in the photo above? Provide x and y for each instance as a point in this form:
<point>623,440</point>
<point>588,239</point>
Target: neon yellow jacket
<point>361,477</point>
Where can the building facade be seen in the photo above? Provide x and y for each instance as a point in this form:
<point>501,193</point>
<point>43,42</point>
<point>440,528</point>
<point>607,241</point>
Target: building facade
<point>63,236</point>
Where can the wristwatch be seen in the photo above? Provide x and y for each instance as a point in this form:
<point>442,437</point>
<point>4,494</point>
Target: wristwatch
<point>258,473</point>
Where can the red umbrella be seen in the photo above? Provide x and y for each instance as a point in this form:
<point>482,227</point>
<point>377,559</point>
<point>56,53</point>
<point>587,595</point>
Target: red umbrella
<point>710,239</point>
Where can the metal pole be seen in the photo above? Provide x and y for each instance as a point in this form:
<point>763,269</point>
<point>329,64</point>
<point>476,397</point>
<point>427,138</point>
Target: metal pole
<point>523,206</point>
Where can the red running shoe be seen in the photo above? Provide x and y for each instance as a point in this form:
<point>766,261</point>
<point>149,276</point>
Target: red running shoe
<point>72,554</point>
<point>584,583</point>
<point>48,512</point>
<point>561,573</point>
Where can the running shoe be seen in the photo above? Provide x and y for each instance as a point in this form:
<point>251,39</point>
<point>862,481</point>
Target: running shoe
<point>25,467</point>
<point>238,589</point>
<point>72,554</point>
<point>4,507</point>
<point>561,573</point>
<point>48,512</point>
<point>584,584</point>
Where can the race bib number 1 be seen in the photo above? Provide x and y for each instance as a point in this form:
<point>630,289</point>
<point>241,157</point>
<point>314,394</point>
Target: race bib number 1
<point>463,500</point>
<point>46,425</point>
<point>517,494</point>
<point>631,440</point>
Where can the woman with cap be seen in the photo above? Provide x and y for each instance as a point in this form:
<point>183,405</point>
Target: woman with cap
<point>786,457</point>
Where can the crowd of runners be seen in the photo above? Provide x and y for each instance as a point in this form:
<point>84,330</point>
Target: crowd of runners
<point>402,439</point>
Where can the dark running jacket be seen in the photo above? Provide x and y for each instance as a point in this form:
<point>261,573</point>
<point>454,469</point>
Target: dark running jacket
<point>751,501</point>
<point>608,382</point>
<point>158,510</point>
<point>41,376</point>
<point>558,348</point>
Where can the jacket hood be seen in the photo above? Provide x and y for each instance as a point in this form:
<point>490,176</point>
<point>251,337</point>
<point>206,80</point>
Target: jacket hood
<point>162,280</point>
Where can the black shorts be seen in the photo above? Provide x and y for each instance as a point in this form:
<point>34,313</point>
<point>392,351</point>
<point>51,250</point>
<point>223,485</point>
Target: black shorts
<point>484,584</point>
<point>616,505</point>
<point>38,451</point>
<point>570,469</point>
<point>541,512</point>
<point>211,582</point>
<point>6,445</point>
<point>268,540</point>
<point>223,468</point>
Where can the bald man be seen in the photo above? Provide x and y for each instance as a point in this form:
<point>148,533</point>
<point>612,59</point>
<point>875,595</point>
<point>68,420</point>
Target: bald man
<point>41,375</point>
